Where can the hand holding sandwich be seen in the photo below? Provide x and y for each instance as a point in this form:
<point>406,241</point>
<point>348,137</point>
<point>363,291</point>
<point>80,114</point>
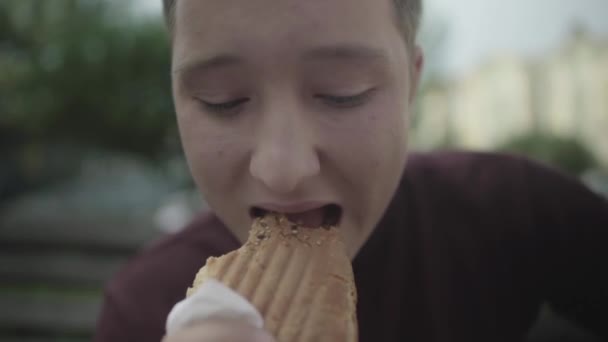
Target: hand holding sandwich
<point>298,280</point>
<point>220,330</point>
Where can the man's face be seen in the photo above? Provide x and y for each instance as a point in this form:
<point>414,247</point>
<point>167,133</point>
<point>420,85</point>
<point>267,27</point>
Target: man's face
<point>299,107</point>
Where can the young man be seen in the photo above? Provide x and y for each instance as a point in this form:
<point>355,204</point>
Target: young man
<point>302,107</point>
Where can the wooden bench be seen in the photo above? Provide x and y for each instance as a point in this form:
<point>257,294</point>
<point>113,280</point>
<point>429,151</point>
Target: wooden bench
<point>53,269</point>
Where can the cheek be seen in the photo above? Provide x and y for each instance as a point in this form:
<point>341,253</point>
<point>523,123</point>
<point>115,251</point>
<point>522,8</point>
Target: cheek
<point>374,141</point>
<point>210,151</point>
<point>199,151</point>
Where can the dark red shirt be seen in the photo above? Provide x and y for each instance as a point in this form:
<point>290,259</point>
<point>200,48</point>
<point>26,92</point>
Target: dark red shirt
<point>468,250</point>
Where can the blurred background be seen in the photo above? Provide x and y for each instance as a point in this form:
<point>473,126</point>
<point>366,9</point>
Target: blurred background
<point>90,162</point>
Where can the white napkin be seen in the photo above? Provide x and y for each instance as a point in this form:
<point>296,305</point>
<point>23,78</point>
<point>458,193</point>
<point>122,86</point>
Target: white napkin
<point>212,300</point>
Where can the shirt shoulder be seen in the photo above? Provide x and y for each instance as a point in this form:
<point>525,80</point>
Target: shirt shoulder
<point>491,178</point>
<point>176,254</point>
<point>143,292</point>
<point>474,181</point>
<point>460,166</point>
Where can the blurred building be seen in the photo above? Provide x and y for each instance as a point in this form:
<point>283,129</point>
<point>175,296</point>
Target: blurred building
<point>572,92</point>
<point>564,94</point>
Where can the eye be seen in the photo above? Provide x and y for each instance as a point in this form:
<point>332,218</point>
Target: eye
<point>223,107</point>
<point>349,101</point>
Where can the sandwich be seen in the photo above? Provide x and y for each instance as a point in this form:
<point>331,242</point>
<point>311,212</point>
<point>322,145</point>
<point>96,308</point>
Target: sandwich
<point>299,278</point>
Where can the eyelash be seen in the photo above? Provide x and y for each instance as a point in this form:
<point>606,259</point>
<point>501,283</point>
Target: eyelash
<point>223,107</point>
<point>341,102</point>
<point>345,101</point>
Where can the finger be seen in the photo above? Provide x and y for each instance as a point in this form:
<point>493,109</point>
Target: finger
<point>220,331</point>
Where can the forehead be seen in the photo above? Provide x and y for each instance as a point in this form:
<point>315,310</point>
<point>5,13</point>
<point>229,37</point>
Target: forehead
<point>282,28</point>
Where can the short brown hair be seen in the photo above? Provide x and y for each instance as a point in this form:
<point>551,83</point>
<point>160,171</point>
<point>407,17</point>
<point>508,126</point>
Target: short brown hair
<point>408,13</point>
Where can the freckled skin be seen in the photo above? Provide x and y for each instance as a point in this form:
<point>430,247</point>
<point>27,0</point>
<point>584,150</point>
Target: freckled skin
<point>288,142</point>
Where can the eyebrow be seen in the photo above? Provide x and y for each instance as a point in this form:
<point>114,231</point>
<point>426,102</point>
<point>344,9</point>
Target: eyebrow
<point>351,52</point>
<point>346,52</point>
<point>215,62</point>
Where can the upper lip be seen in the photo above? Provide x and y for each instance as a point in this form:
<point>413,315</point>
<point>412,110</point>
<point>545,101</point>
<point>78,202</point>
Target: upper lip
<point>292,208</point>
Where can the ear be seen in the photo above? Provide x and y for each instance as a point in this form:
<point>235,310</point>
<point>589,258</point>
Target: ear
<point>416,67</point>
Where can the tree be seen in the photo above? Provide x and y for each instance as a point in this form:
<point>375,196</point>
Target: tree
<point>73,72</point>
<point>567,154</point>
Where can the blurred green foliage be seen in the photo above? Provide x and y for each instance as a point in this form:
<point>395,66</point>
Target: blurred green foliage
<point>567,154</point>
<point>85,72</point>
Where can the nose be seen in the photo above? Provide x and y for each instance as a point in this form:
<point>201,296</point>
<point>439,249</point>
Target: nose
<point>285,153</point>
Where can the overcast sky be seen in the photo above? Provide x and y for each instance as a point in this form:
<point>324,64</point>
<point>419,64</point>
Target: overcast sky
<point>478,29</point>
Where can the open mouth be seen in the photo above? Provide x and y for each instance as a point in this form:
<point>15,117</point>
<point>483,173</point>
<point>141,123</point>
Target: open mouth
<point>325,216</point>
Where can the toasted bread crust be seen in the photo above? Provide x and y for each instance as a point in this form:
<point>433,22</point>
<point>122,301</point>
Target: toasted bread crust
<point>299,278</point>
